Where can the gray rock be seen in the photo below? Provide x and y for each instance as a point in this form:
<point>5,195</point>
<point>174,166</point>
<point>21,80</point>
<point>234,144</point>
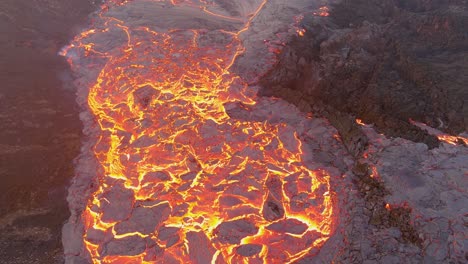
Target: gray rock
<point>292,226</point>
<point>201,250</point>
<point>128,246</point>
<point>232,232</point>
<point>116,203</point>
<point>144,219</point>
<point>249,250</point>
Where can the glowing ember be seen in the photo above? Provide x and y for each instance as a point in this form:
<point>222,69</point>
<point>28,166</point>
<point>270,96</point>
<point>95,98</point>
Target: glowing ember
<point>181,181</point>
<point>452,140</point>
<point>323,11</point>
<point>374,173</point>
<point>301,32</point>
<point>359,122</point>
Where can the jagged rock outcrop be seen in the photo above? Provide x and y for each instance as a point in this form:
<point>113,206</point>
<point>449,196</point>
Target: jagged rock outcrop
<point>385,62</point>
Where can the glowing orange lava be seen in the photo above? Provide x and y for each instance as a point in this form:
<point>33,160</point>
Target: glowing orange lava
<point>323,11</point>
<point>449,139</point>
<point>301,32</point>
<point>181,181</point>
<point>359,122</point>
<point>452,140</point>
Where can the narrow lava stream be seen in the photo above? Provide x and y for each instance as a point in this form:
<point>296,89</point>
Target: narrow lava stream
<point>180,181</point>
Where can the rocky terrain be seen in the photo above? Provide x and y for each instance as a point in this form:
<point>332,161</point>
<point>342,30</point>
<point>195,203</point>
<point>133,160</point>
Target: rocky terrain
<point>40,132</point>
<point>389,63</point>
<point>384,62</point>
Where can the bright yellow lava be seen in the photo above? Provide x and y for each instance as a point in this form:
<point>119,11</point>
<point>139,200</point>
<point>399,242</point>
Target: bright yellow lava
<point>181,181</point>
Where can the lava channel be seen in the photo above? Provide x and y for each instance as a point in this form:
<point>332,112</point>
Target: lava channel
<point>179,180</point>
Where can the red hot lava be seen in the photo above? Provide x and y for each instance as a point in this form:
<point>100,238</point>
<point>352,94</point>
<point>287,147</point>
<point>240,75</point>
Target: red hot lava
<point>180,181</point>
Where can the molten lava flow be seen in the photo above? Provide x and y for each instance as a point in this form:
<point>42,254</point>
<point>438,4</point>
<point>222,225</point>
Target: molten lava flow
<point>449,139</point>
<point>180,181</point>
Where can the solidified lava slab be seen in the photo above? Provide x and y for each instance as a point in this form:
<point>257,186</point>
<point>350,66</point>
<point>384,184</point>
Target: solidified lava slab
<point>175,179</point>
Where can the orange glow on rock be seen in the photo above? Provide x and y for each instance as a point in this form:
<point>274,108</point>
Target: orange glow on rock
<point>301,32</point>
<point>323,11</point>
<point>359,122</point>
<point>452,140</point>
<point>446,138</point>
<point>181,180</point>
<point>374,173</point>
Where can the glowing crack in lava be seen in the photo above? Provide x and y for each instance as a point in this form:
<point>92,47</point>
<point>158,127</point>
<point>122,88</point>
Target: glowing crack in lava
<point>180,180</point>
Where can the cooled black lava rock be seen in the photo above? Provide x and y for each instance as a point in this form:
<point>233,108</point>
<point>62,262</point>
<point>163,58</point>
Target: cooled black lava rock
<point>144,95</point>
<point>129,246</point>
<point>144,220</point>
<point>291,226</point>
<point>385,62</point>
<point>233,231</point>
<point>273,208</point>
<point>249,250</point>
<point>165,233</point>
<point>201,250</point>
